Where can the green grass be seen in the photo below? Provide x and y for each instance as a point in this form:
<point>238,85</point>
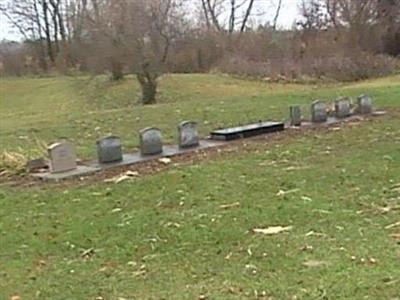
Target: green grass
<point>165,236</point>
<point>84,109</point>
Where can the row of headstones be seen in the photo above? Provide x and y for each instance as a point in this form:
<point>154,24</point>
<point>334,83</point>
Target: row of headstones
<point>109,149</point>
<point>343,109</point>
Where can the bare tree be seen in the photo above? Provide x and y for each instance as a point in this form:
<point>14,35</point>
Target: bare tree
<point>277,13</point>
<point>228,15</point>
<point>40,21</point>
<point>140,31</point>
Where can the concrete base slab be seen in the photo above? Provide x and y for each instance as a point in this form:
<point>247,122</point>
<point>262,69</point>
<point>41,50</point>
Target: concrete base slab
<point>329,121</point>
<point>79,171</point>
<point>168,151</point>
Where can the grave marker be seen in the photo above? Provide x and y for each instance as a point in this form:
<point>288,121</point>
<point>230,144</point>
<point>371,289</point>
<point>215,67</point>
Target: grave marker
<point>342,107</point>
<point>233,133</point>
<point>188,135</point>
<point>318,112</point>
<point>109,149</point>
<point>295,115</point>
<point>364,104</point>
<point>150,141</point>
<point>62,157</point>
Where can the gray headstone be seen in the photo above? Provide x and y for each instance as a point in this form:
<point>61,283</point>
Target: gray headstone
<point>62,157</point>
<point>318,112</point>
<point>295,115</point>
<point>188,135</point>
<point>150,141</point>
<point>109,149</point>
<point>364,104</point>
<point>342,107</point>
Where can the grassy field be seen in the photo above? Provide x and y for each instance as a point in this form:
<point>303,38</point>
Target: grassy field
<point>83,109</point>
<point>170,235</point>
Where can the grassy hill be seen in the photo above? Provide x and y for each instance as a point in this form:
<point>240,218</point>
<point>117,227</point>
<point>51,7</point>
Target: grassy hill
<point>83,109</point>
<point>186,232</point>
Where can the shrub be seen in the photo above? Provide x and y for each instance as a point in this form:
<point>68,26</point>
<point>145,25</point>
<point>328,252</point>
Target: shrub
<point>12,163</point>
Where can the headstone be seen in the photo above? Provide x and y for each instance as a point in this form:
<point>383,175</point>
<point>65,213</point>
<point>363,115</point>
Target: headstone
<point>318,112</point>
<point>62,157</point>
<point>364,104</point>
<point>109,149</point>
<point>295,115</point>
<point>150,141</point>
<point>342,107</point>
<point>188,135</point>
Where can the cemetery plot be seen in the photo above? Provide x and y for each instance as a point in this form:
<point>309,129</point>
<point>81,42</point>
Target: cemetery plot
<point>109,149</point>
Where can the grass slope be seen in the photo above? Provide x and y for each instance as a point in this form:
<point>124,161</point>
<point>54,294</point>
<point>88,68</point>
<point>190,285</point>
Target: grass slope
<point>165,236</point>
<point>83,109</point>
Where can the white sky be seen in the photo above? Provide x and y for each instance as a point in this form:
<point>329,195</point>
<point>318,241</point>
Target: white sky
<point>288,15</point>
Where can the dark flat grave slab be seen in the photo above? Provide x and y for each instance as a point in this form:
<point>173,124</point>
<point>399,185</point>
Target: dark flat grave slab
<point>245,131</point>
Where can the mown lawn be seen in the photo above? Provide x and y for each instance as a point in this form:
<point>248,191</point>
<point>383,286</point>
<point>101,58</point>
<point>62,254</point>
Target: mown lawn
<point>83,109</point>
<point>166,236</point>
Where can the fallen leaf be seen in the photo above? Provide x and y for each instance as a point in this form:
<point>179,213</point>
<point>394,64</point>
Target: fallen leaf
<point>226,206</point>
<point>315,263</point>
<point>122,177</point>
<point>393,225</point>
<point>272,230</point>
<point>132,173</point>
<point>307,248</point>
<point>372,260</point>
<point>88,253</point>
<point>313,233</point>
<point>172,224</point>
<point>395,236</point>
<point>165,160</point>
<point>307,199</point>
<point>282,193</point>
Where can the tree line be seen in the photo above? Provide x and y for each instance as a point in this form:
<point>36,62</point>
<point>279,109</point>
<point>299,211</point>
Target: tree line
<point>342,39</point>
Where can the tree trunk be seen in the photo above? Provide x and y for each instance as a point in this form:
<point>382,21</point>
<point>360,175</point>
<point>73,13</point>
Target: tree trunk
<point>47,32</point>
<point>116,70</point>
<point>148,84</point>
<point>42,49</point>
<point>149,91</point>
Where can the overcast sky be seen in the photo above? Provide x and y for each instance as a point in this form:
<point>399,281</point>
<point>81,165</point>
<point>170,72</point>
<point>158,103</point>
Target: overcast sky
<point>289,13</point>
